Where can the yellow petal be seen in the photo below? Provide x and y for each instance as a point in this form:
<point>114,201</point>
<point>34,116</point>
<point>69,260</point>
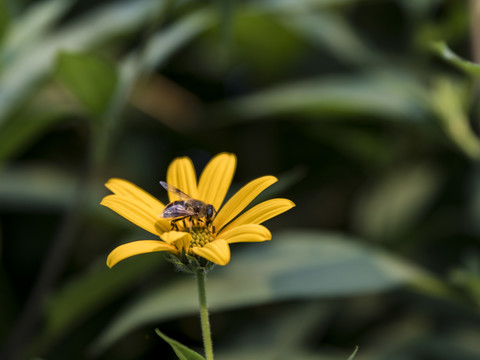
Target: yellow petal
<point>135,248</point>
<point>217,252</point>
<point>181,174</point>
<point>181,240</point>
<point>137,213</point>
<point>246,233</point>
<point>172,236</point>
<point>129,190</point>
<point>216,179</point>
<point>261,212</point>
<point>241,199</point>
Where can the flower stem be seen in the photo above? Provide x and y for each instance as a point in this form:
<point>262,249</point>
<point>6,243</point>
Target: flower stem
<point>202,297</point>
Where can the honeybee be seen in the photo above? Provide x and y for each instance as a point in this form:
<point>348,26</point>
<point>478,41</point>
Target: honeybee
<point>186,208</point>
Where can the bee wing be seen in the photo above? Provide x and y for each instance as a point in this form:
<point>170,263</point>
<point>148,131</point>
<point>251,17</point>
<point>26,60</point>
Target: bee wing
<point>176,211</point>
<point>175,191</point>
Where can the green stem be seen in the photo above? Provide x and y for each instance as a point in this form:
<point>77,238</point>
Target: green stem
<point>202,297</point>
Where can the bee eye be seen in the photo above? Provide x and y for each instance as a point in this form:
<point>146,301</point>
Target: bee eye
<point>210,211</point>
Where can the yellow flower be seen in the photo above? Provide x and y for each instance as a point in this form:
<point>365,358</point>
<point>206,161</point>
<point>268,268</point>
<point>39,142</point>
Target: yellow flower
<point>194,238</point>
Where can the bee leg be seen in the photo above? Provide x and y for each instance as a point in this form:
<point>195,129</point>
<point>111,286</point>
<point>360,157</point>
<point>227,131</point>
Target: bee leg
<point>208,224</point>
<point>175,225</point>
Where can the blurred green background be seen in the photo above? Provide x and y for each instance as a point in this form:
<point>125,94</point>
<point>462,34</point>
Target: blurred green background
<point>359,107</point>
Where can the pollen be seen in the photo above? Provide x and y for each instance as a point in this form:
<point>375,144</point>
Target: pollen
<point>201,236</point>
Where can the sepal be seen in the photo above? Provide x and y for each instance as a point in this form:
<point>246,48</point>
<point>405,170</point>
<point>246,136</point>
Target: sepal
<point>189,264</point>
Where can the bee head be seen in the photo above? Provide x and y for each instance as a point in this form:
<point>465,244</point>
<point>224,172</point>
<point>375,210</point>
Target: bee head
<point>210,212</point>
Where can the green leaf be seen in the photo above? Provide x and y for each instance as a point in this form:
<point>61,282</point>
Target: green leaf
<point>442,49</point>
<point>419,9</point>
<point>263,42</point>
<point>91,79</point>
<point>382,94</point>
<point>396,202</point>
<point>353,354</point>
<point>165,42</point>
<point>155,52</point>
<point>448,101</point>
<point>86,294</point>
<point>21,76</point>
<point>272,337</point>
<point>469,281</point>
<point>91,290</point>
<point>35,186</point>
<point>294,265</point>
<point>4,19</point>
<point>19,131</point>
<point>301,5</point>
<point>183,352</point>
<point>333,32</point>
<point>225,12</point>
<point>33,24</point>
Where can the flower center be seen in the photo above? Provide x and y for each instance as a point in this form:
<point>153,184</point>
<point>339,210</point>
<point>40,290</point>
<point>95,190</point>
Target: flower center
<point>201,236</point>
